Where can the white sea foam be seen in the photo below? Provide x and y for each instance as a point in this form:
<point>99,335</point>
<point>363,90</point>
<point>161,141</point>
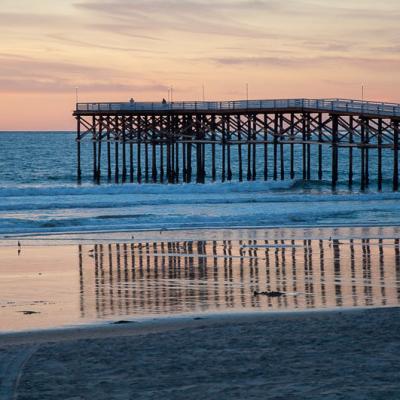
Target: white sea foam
<point>112,189</point>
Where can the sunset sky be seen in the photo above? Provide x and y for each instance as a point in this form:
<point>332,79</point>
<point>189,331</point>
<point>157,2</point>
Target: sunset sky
<point>117,49</point>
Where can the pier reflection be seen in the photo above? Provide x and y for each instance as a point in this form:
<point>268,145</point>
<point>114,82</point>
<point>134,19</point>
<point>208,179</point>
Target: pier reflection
<point>137,279</point>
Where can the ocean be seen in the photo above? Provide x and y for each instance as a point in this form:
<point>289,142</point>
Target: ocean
<point>39,194</point>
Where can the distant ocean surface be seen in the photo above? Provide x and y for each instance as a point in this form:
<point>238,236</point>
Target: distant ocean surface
<point>39,194</point>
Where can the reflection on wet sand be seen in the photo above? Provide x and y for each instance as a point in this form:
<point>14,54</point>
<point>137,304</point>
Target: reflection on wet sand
<point>204,276</point>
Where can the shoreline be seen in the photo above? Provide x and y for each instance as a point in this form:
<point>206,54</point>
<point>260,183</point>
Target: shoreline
<point>312,232</point>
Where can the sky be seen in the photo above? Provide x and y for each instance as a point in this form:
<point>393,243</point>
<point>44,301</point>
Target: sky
<point>112,50</point>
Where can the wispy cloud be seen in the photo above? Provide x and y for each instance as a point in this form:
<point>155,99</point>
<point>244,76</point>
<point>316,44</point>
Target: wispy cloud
<point>259,61</point>
<point>196,16</point>
<point>203,7</point>
<point>25,74</point>
<point>25,66</point>
<point>307,62</point>
<point>93,45</point>
<point>31,20</point>
<point>63,86</point>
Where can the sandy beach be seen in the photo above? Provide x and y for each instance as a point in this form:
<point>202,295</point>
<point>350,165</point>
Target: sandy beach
<point>349,354</point>
<point>113,317</point>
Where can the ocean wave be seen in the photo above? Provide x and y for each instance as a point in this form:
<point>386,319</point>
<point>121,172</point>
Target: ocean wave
<point>191,188</point>
<point>124,199</point>
<point>205,216</point>
<point>67,208</point>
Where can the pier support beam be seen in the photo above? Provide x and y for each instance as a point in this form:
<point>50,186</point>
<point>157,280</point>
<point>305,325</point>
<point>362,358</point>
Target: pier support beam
<point>109,172</point>
<point>304,147</point>
<point>153,159</point>
<point>335,130</point>
<point>249,148</point>
<point>265,147</point>
<point>139,153</point>
<point>366,174</point>
<point>78,150</point>
<point>162,160</point>
<point>395,155</point>
<point>223,151</point>
<point>281,155</point>
<point>184,168</point>
<point>229,171</point>
<point>189,162</point>
<point>362,167</point>
<point>254,152</point>
<point>213,138</point>
<point>380,154</point>
<point>146,149</point>
<point>100,137</point>
<point>308,147</point>
<point>239,136</point>
<point>351,126</point>
<point>124,171</point>
<point>320,147</point>
<point>276,129</point>
<point>292,146</point>
<point>131,169</point>
<point>94,145</point>
<point>176,153</point>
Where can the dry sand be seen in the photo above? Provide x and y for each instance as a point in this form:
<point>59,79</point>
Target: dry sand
<point>347,354</point>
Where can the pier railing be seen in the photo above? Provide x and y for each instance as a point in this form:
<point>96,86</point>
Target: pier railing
<point>319,105</point>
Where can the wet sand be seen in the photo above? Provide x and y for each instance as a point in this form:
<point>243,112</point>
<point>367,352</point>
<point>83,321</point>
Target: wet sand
<point>348,354</point>
<point>73,283</point>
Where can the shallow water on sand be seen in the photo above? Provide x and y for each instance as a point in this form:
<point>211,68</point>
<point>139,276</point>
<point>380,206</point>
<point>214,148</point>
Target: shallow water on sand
<point>52,286</point>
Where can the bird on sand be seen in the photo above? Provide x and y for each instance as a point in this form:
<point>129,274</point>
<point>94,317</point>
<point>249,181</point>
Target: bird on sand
<point>269,293</point>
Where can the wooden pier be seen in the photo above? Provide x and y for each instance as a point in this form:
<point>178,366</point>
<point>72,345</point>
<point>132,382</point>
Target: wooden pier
<point>178,142</point>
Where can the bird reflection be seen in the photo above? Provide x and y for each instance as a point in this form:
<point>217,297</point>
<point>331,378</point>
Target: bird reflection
<point>170,277</point>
